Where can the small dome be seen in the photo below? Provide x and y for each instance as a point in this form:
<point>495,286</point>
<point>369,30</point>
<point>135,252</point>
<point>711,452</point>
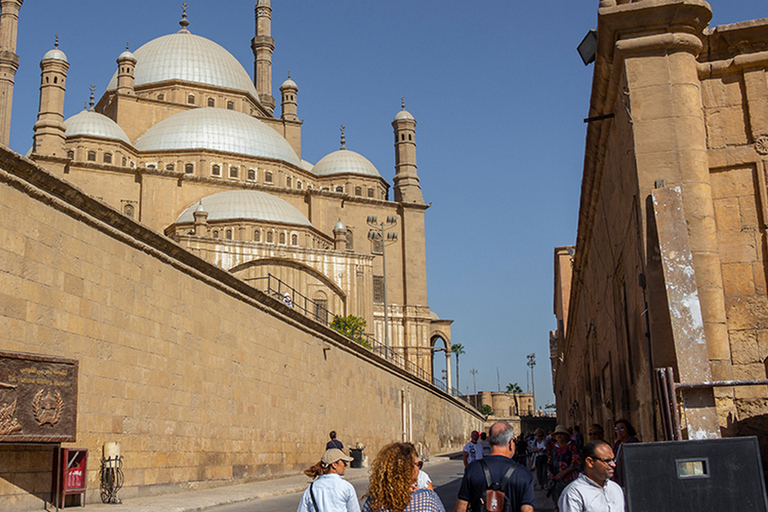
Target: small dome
<point>247,205</point>
<point>404,114</point>
<point>93,124</point>
<point>289,84</point>
<point>55,54</point>
<point>345,161</point>
<point>339,226</point>
<point>217,129</point>
<point>190,58</point>
<point>126,55</point>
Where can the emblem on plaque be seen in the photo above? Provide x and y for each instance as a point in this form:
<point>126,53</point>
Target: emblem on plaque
<point>8,423</point>
<point>47,407</point>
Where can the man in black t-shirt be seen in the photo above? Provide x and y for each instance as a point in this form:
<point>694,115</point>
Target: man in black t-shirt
<point>519,491</point>
<point>334,443</point>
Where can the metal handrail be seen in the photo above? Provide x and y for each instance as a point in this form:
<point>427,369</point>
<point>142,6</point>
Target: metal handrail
<point>289,296</point>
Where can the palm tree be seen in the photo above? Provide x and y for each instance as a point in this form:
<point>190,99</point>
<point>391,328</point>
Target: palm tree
<point>458,349</point>
<point>514,389</point>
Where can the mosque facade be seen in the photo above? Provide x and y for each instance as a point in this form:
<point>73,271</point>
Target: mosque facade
<point>187,143</point>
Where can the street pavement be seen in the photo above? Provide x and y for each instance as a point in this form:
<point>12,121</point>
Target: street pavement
<point>283,494</point>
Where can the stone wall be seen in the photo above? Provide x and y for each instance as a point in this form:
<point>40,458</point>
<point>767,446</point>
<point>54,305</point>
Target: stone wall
<point>201,379</point>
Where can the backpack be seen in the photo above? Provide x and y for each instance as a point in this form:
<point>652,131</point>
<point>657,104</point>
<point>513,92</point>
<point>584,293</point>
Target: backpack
<point>495,499</point>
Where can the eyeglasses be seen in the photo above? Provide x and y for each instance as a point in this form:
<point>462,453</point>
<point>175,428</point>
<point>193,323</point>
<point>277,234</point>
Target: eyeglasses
<point>620,429</point>
<point>593,434</point>
<point>605,461</point>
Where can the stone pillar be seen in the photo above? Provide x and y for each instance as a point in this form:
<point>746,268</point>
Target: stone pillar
<point>340,236</point>
<point>9,63</point>
<point>201,220</point>
<point>263,45</point>
<point>448,381</point>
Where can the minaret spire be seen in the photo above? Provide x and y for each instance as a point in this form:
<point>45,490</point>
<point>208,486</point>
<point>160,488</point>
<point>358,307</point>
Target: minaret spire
<point>263,45</point>
<point>9,63</point>
<point>343,140</point>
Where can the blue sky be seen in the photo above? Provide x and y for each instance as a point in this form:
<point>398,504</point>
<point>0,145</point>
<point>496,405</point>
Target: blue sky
<point>499,94</point>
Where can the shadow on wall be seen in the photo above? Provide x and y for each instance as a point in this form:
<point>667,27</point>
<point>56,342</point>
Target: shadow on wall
<point>751,426</point>
<point>26,475</point>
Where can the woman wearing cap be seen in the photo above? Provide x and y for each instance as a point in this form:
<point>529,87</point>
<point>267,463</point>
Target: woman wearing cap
<point>564,462</point>
<point>329,492</point>
<point>391,485</point>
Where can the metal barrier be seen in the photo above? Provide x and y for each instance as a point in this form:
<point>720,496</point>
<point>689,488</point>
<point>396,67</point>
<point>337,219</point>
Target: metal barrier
<point>289,296</point>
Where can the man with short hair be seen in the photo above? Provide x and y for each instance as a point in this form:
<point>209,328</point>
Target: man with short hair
<point>334,443</point>
<point>484,444</point>
<point>473,450</point>
<point>593,490</point>
<point>519,489</point>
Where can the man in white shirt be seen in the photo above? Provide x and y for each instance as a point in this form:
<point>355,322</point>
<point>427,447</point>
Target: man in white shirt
<point>473,450</point>
<point>593,490</point>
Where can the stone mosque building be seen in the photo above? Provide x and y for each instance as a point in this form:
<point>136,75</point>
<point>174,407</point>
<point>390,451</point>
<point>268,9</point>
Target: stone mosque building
<point>186,143</point>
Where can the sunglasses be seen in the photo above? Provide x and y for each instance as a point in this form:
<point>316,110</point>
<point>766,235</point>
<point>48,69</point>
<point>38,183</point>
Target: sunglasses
<point>605,461</point>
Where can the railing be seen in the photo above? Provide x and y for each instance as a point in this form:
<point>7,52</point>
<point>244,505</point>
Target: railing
<point>289,296</point>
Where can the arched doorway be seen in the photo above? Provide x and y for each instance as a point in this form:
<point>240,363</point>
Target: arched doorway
<point>440,354</point>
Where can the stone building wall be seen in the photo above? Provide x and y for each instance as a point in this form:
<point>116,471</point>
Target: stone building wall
<point>201,379</point>
<point>689,111</point>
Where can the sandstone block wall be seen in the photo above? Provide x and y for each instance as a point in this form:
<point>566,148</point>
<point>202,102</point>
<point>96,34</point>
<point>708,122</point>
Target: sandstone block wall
<point>200,378</point>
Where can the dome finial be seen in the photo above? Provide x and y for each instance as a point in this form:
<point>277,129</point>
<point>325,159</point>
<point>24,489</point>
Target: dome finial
<point>127,45</point>
<point>56,42</point>
<point>91,103</point>
<point>289,74</point>
<point>343,140</point>
<point>402,102</point>
<point>184,22</point>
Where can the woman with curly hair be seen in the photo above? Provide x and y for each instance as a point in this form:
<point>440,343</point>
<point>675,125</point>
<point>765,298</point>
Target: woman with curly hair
<point>391,486</point>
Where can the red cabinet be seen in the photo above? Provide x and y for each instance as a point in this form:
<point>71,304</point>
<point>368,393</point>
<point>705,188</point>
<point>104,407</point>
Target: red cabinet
<point>69,475</point>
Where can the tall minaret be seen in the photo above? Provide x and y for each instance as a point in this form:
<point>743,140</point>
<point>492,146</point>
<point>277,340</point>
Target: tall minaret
<point>407,188</point>
<point>9,63</point>
<point>263,45</point>
<point>49,128</point>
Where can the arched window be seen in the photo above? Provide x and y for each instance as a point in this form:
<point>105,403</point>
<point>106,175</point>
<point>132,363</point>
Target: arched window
<point>107,158</point>
<point>215,234</point>
<point>189,168</point>
<point>268,176</point>
<point>169,167</point>
<point>288,182</point>
<point>251,174</point>
<point>216,170</point>
<point>339,189</point>
<point>71,155</point>
<point>228,234</point>
<point>151,166</point>
<point>161,97</point>
<point>370,192</point>
<point>191,99</point>
<point>282,238</point>
<point>230,105</point>
<point>91,156</point>
<point>321,306</point>
<point>350,240</point>
<point>125,160</point>
<point>128,210</point>
<point>233,172</point>
<point>211,102</point>
<point>257,236</point>
<point>294,239</point>
<point>358,191</point>
<point>410,136</point>
<point>298,184</point>
<point>270,237</point>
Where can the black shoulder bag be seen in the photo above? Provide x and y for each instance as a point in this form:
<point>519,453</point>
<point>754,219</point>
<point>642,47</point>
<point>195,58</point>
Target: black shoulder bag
<point>312,495</point>
<point>495,498</point>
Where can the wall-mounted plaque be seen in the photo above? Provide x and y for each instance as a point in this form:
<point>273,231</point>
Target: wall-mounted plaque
<point>38,398</point>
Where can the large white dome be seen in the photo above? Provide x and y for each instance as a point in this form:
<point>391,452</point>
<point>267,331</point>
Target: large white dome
<point>191,58</point>
<point>217,129</point>
<point>247,205</point>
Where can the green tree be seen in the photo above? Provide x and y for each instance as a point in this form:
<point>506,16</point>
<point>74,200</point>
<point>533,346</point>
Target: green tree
<point>458,349</point>
<point>514,389</point>
<point>487,410</point>
<point>352,327</point>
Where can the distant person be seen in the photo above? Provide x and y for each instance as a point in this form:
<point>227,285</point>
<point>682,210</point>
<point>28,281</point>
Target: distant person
<point>473,450</point>
<point>519,493</point>
<point>329,492</point>
<point>577,437</point>
<point>625,433</point>
<point>521,450</point>
<point>422,480</point>
<point>596,432</point>
<point>334,443</point>
<point>593,490</point>
<point>540,455</point>
<point>391,485</point>
<point>564,462</point>
<point>484,444</point>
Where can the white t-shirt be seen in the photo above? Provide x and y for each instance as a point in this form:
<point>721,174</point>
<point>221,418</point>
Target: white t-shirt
<point>423,480</point>
<point>475,451</point>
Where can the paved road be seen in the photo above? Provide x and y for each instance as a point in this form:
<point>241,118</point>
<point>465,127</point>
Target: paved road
<point>445,474</point>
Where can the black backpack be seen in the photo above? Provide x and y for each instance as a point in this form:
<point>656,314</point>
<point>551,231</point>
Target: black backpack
<point>494,499</point>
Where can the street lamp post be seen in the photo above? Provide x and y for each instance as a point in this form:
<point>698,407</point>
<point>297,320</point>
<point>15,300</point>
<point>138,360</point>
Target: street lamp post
<point>377,233</point>
<point>531,363</point>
